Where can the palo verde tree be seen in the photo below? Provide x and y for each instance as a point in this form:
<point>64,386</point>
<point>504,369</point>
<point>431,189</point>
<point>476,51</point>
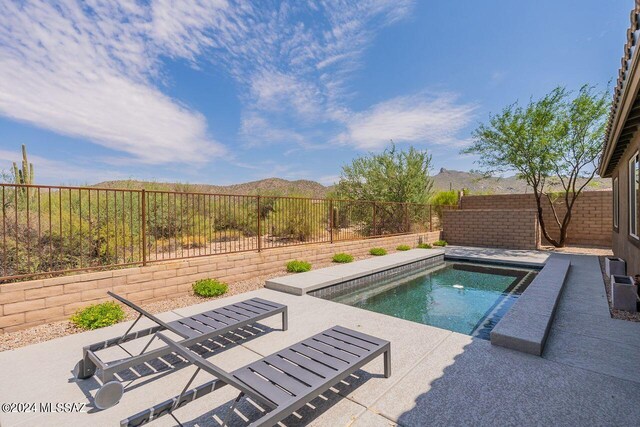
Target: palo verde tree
<point>555,140</point>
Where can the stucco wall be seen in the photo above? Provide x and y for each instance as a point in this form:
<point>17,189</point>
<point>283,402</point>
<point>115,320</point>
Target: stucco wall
<point>625,246</point>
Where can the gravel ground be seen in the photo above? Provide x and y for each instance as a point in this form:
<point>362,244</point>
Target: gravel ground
<point>580,250</point>
<point>49,331</point>
<point>616,314</point>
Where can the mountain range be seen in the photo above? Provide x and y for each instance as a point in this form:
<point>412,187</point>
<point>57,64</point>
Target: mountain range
<point>445,179</point>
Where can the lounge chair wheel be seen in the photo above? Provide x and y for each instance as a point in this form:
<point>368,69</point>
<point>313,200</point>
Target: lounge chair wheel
<point>108,395</point>
<point>80,372</point>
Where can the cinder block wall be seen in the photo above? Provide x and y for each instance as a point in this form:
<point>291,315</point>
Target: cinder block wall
<point>507,228</point>
<point>592,216</point>
<point>34,302</point>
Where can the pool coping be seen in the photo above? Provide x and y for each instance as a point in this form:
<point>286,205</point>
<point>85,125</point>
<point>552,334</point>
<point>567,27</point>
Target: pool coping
<point>303,283</point>
<point>505,257</point>
<point>525,327</point>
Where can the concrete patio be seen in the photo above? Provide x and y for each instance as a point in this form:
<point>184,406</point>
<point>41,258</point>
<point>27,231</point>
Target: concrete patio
<point>588,373</point>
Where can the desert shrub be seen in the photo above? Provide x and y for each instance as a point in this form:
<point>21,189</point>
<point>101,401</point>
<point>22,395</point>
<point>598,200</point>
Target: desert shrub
<point>209,288</point>
<point>403,248</point>
<point>423,246</point>
<point>98,316</point>
<point>228,235</point>
<point>378,251</point>
<point>291,220</point>
<point>444,198</point>
<point>342,258</point>
<point>297,266</point>
<point>441,243</point>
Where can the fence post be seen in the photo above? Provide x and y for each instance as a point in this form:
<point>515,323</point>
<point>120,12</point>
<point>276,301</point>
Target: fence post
<point>331,220</point>
<point>406,217</point>
<point>430,219</point>
<point>374,219</point>
<point>259,234</point>
<point>144,227</point>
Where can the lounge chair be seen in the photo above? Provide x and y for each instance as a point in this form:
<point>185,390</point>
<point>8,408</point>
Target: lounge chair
<point>193,329</point>
<point>283,382</point>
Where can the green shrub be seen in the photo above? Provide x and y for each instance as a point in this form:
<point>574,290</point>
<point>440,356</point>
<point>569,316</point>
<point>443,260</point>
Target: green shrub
<point>423,246</point>
<point>98,316</point>
<point>342,258</point>
<point>444,198</point>
<point>440,243</point>
<point>209,288</point>
<point>377,251</point>
<point>296,266</point>
<point>403,248</point>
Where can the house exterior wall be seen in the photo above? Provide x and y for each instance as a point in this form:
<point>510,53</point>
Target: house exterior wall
<point>507,228</point>
<point>625,246</point>
<point>34,302</point>
<point>591,221</point>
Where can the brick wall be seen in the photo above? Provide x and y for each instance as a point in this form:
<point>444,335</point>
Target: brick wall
<point>508,228</point>
<point>30,303</point>
<point>591,222</point>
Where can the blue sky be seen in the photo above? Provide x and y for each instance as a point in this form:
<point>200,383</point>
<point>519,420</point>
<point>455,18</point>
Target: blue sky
<point>223,92</point>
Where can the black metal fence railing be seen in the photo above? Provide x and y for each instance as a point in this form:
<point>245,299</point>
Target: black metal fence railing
<point>48,230</point>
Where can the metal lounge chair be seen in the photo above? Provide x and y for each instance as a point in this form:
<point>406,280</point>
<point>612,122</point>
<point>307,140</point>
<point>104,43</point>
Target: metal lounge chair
<point>193,329</point>
<point>282,382</point>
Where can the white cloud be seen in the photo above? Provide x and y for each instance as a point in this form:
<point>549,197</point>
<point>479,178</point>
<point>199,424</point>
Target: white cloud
<point>85,71</point>
<point>414,119</point>
<point>92,69</point>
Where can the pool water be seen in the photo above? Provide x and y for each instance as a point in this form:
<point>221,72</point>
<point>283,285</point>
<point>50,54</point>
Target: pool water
<point>462,297</point>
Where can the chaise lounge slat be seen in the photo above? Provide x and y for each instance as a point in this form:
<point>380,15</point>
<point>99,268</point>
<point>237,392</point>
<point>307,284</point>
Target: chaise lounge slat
<point>194,331</point>
<point>326,339</point>
<point>313,366</point>
<point>219,317</point>
<point>284,381</point>
<point>292,369</point>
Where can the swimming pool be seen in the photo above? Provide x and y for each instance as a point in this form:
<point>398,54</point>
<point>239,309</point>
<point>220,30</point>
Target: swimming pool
<point>463,297</point>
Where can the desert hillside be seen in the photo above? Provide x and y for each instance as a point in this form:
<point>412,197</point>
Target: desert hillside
<point>444,180</point>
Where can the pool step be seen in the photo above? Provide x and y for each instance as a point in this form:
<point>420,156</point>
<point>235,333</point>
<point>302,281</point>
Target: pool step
<point>481,330</point>
<point>526,325</point>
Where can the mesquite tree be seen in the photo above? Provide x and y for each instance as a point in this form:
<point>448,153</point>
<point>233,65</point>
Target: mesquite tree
<point>554,140</point>
<point>391,176</point>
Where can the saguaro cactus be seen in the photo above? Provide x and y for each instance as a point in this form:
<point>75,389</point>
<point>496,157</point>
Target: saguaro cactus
<point>24,175</point>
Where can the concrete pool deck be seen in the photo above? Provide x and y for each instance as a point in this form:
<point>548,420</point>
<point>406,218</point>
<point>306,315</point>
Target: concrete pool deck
<point>588,373</point>
<point>304,283</point>
<point>524,258</point>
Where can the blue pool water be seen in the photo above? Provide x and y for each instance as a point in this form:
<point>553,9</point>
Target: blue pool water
<point>462,297</point>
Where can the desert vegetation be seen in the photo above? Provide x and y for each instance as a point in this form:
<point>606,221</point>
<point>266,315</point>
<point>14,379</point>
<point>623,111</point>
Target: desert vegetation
<point>209,288</point>
<point>98,316</point>
<point>58,229</point>
<point>342,258</point>
<point>377,251</point>
<point>297,266</point>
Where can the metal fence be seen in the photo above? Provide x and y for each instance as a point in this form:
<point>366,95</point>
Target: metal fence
<point>50,230</point>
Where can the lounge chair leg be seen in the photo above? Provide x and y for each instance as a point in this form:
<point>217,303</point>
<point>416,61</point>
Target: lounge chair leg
<point>387,363</point>
<point>233,406</point>
<point>85,368</point>
<point>174,417</point>
<point>285,320</point>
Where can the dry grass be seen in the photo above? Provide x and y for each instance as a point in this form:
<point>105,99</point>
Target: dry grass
<point>580,250</point>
